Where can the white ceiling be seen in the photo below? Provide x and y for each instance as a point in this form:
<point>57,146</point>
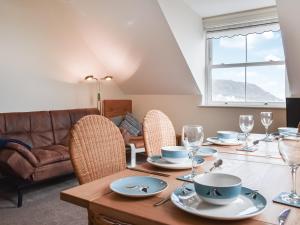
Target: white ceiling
<point>206,8</point>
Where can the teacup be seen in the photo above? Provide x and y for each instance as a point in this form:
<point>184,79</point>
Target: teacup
<point>175,154</point>
<point>225,135</point>
<point>218,188</point>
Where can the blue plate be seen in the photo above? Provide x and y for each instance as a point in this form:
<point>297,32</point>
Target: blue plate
<point>158,161</point>
<point>138,186</point>
<point>249,203</point>
<point>206,151</point>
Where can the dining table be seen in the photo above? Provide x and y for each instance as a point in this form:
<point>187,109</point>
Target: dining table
<point>262,170</point>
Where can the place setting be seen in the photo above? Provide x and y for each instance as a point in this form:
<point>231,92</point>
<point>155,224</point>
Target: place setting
<point>190,155</point>
<point>219,196</point>
<point>246,124</point>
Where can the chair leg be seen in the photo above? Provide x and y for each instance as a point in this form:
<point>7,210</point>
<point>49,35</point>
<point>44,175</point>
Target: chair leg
<point>133,155</point>
<point>20,197</point>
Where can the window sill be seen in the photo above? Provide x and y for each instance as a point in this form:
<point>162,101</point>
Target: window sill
<point>243,106</point>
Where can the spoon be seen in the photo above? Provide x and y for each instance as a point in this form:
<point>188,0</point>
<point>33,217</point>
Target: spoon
<point>254,143</point>
<point>217,164</point>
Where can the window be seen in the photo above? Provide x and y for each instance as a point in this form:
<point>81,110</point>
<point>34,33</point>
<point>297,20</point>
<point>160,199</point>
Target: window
<point>246,69</point>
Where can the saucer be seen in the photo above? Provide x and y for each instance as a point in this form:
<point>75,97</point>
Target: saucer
<point>206,152</point>
<point>229,142</point>
<point>249,203</point>
<point>158,161</point>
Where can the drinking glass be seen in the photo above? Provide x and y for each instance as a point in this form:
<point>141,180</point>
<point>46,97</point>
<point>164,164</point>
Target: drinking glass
<point>192,139</point>
<point>246,124</point>
<point>266,120</point>
<point>289,149</point>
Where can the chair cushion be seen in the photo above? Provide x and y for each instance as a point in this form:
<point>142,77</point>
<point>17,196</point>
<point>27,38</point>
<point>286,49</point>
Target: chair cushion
<point>130,118</point>
<point>130,128</point>
<point>117,120</point>
<point>51,154</point>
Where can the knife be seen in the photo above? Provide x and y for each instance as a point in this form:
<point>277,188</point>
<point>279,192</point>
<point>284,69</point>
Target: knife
<point>283,216</point>
<point>148,171</point>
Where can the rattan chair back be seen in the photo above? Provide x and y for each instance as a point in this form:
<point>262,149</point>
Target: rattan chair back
<point>158,132</point>
<point>97,148</point>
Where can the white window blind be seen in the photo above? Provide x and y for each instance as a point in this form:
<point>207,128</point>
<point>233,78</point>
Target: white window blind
<point>242,23</point>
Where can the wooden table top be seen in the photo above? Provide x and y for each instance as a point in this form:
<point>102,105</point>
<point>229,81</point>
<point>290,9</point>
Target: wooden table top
<point>258,171</point>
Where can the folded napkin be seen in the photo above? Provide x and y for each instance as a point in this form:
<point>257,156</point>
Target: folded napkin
<point>5,143</point>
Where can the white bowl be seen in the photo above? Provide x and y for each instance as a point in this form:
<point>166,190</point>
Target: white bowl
<point>227,135</point>
<point>175,154</point>
<point>287,130</point>
<point>218,188</point>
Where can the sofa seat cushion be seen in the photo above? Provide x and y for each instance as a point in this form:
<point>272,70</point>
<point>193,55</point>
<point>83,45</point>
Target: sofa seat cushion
<point>52,170</point>
<point>51,154</point>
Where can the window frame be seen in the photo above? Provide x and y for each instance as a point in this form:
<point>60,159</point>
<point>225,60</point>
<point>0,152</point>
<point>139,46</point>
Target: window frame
<point>208,80</point>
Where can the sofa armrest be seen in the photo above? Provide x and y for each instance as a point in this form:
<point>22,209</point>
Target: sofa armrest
<point>138,141</point>
<point>16,163</point>
<point>27,154</point>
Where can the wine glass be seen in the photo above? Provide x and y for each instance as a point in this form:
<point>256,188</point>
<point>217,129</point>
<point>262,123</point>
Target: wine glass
<point>266,120</point>
<point>246,124</point>
<point>192,139</point>
<point>289,149</point>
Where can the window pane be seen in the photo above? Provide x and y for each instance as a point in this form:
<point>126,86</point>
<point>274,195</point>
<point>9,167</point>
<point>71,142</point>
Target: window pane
<point>228,85</point>
<point>265,47</point>
<point>229,50</point>
<point>266,84</point>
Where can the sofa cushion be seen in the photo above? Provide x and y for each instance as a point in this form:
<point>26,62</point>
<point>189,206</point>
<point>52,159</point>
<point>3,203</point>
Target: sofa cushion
<point>77,114</point>
<point>17,126</point>
<point>41,129</point>
<point>61,123</point>
<point>52,170</point>
<point>2,124</point>
<point>17,122</point>
<point>51,154</point>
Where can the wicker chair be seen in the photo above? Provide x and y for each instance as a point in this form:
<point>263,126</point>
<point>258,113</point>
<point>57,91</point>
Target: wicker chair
<point>97,148</point>
<point>158,132</point>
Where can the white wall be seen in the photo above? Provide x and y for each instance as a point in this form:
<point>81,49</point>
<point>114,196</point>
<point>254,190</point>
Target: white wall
<point>43,59</point>
<point>183,109</point>
<point>289,18</point>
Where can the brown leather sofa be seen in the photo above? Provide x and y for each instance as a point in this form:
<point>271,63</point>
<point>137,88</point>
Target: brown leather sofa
<point>48,133</point>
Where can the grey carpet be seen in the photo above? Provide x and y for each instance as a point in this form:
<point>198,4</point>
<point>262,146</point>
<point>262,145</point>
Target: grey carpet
<point>42,206</point>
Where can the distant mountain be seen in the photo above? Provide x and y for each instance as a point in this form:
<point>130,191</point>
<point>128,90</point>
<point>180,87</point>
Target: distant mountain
<point>234,90</point>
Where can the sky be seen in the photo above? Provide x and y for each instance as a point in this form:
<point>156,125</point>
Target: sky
<point>261,47</point>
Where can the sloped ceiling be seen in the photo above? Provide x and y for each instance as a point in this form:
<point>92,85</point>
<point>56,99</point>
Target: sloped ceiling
<point>133,42</point>
<point>289,18</point>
